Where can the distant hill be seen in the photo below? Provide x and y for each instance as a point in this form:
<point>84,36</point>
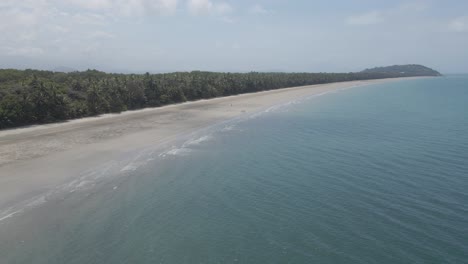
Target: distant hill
<point>64,69</point>
<point>405,70</point>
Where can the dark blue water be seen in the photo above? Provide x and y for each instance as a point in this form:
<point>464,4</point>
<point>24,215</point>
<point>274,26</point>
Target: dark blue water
<point>375,174</point>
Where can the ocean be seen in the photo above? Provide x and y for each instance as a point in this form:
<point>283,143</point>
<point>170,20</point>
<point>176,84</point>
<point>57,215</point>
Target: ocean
<point>372,174</point>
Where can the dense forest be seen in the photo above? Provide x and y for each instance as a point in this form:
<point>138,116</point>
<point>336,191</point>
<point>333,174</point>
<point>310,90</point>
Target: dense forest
<point>34,97</point>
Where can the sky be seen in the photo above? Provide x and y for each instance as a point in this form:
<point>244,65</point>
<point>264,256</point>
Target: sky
<point>227,35</point>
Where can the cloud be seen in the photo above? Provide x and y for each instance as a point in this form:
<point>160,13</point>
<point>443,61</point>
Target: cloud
<point>41,28</point>
<point>200,7</point>
<point>415,6</point>
<point>101,35</point>
<point>22,14</point>
<point>405,10</point>
<point>459,24</point>
<point>91,4</point>
<point>26,23</point>
<point>20,22</point>
<point>228,20</point>
<point>87,19</point>
<point>126,7</point>
<point>59,29</point>
<point>259,10</point>
<point>369,18</point>
<point>21,51</point>
<point>168,5</point>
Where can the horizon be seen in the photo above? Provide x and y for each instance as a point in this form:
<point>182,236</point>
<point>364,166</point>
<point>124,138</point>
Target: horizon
<point>70,70</point>
<point>161,36</point>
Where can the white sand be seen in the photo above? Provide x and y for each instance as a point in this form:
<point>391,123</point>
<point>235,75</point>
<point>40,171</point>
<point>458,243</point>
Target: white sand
<point>37,159</point>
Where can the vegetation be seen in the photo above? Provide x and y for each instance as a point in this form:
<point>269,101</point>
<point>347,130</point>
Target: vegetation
<point>33,97</point>
<point>405,70</point>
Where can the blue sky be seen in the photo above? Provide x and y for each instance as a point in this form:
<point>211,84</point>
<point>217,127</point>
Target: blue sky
<point>224,35</point>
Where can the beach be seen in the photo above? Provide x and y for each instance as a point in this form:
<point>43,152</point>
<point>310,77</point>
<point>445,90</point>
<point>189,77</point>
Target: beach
<point>37,159</point>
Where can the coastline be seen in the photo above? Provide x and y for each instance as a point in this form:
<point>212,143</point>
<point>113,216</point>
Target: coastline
<point>37,159</point>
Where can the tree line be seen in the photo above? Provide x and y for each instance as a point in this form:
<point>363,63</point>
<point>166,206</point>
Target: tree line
<point>35,97</point>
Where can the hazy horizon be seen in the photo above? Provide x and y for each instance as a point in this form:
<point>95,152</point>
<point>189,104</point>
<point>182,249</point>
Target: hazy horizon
<point>69,70</point>
<point>238,36</point>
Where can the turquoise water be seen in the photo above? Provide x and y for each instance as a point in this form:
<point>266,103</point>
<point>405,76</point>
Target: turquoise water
<point>375,174</point>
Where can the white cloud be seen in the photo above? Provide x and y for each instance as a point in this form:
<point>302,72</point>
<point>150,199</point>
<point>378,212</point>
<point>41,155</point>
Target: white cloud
<point>91,4</point>
<point>22,3</point>
<point>21,51</point>
<point>87,19</point>
<point>415,6</point>
<point>259,10</point>
<point>59,29</point>
<point>236,46</point>
<point>21,19</point>
<point>222,8</point>
<point>200,7</point>
<point>101,35</point>
<point>14,15</point>
<point>369,18</point>
<point>40,28</point>
<point>406,10</point>
<point>126,7</point>
<point>27,36</point>
<point>228,20</point>
<point>168,5</point>
<point>459,24</point>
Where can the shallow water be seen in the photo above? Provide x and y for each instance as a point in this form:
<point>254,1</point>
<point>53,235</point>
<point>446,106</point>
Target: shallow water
<point>375,174</point>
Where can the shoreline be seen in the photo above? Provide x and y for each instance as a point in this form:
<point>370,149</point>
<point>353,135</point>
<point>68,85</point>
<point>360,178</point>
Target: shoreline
<point>37,159</point>
<point>35,127</point>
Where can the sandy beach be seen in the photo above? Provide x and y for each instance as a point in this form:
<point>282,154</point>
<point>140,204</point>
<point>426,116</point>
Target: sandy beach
<point>37,159</point>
